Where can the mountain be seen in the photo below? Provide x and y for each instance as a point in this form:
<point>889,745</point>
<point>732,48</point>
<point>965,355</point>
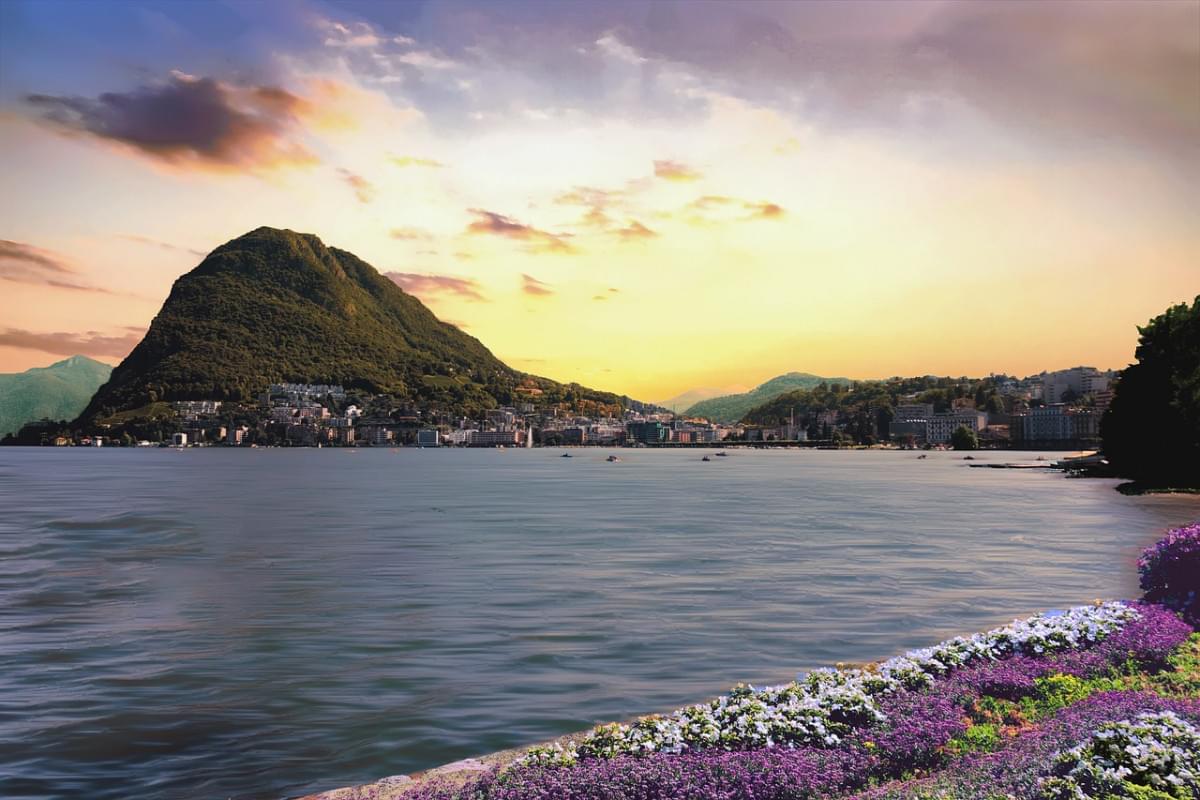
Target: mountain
<point>59,391</point>
<point>693,396</point>
<point>279,306</point>
<point>732,407</point>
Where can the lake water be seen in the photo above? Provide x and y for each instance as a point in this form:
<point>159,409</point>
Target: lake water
<point>216,623</point>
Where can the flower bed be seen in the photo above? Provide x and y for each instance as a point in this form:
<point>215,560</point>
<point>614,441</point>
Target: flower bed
<point>826,705</point>
<point>1099,702</point>
<point>1022,768</point>
<point>832,732</point>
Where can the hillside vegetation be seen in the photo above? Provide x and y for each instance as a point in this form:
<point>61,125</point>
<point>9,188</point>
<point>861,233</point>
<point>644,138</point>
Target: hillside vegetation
<point>275,305</point>
<point>732,407</point>
<point>59,391</point>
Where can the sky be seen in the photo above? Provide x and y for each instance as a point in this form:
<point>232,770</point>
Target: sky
<point>645,197</point>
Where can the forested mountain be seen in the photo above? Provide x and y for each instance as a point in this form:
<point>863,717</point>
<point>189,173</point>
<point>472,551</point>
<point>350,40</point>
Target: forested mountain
<point>275,305</point>
<point>59,391</point>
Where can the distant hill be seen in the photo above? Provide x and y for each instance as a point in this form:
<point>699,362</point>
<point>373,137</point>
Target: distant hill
<point>59,391</point>
<point>276,305</point>
<point>732,407</point>
<point>685,400</point>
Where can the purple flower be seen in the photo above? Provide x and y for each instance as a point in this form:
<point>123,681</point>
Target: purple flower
<point>1170,571</point>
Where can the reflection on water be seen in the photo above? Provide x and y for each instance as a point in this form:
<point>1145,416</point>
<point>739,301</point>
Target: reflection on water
<point>259,623</point>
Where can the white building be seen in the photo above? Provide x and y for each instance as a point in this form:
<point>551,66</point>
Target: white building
<point>940,427</point>
<point>1077,381</point>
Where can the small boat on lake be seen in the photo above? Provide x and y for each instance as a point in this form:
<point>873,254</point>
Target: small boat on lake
<point>722,454</point>
<point>566,455</point>
<point>706,458</point>
<point>612,458</point>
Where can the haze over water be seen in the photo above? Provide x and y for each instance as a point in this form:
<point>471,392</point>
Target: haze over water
<point>235,623</point>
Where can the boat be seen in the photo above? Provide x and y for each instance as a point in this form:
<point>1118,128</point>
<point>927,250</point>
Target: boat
<point>612,458</point>
<point>722,454</point>
<point>706,458</point>
<point>566,455</point>
<point>922,456</point>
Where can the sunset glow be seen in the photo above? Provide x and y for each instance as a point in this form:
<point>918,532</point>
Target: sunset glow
<point>642,197</point>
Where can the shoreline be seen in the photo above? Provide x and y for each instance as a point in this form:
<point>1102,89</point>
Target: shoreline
<point>457,774</point>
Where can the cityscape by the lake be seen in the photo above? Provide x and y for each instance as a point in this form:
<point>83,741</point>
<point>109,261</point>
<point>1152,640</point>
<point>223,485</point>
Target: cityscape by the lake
<point>638,400</point>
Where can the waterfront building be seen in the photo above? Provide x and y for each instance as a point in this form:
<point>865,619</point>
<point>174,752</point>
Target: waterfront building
<point>1057,425</point>
<point>427,437</point>
<point>939,428</point>
<point>647,432</point>
<point>511,438</point>
<point>179,439</point>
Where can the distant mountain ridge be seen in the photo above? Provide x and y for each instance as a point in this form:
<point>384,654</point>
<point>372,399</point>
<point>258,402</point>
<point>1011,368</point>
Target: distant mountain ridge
<point>731,408</point>
<point>275,305</point>
<point>59,391</point>
<point>685,400</point>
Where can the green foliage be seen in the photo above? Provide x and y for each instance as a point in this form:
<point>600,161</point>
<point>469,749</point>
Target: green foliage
<point>1055,692</point>
<point>275,306</point>
<point>982,738</point>
<point>59,391</point>
<point>732,407</point>
<point>964,438</point>
<point>1151,432</point>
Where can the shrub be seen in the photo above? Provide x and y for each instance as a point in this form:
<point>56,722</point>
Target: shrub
<point>1170,572</point>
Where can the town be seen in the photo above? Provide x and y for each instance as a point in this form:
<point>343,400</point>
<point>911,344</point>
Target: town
<point>1058,410</point>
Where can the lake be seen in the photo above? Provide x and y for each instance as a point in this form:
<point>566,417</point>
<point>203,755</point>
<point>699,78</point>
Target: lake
<point>214,623</point>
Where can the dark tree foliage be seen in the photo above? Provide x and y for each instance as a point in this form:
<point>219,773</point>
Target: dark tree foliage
<point>276,306</point>
<point>1151,432</point>
<point>964,438</point>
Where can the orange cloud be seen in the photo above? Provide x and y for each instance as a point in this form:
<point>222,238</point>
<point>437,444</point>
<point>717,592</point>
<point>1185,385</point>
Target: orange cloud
<point>633,231</point>
<point>491,223</point>
<point>90,343</point>
<point>532,286</point>
<point>426,286</point>
<point>675,171</point>
<point>411,234</point>
<point>24,263</point>
<point>764,210</point>
<point>191,122</point>
<point>146,240</point>
<point>364,190</point>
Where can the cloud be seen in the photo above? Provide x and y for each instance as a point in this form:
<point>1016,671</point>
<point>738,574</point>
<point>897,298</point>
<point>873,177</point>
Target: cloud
<point>600,297</point>
<point>428,286</point>
<point>191,122</point>
<point>364,190</point>
<point>716,208</point>
<point>89,343</point>
<point>413,161</point>
<point>764,210</point>
<point>539,241</point>
<point>146,240</point>
<point>613,291</point>
<point>411,234</point>
<point>353,35</point>
<point>633,231</point>
<point>532,286</point>
<point>24,263</point>
<point>675,171</point>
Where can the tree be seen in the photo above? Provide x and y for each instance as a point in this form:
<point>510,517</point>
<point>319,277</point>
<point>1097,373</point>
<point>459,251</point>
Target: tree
<point>964,438</point>
<point>1151,432</point>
